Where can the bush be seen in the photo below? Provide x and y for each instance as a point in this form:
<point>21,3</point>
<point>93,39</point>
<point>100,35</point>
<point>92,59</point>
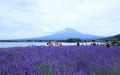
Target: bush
<point>115,42</point>
<point>73,40</point>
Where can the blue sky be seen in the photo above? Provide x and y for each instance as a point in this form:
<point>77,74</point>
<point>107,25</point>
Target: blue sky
<point>32,18</point>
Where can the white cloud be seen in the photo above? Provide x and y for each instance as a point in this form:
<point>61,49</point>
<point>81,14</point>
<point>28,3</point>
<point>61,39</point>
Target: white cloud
<point>29,18</point>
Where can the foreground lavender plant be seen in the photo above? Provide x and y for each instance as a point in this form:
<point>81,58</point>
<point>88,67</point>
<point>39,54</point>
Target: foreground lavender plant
<point>64,60</point>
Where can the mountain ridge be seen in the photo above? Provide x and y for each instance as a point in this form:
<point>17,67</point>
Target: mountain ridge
<point>114,37</point>
<point>66,34</point>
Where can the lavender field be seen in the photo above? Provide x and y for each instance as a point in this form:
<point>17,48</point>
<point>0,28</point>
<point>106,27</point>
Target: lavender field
<point>64,60</point>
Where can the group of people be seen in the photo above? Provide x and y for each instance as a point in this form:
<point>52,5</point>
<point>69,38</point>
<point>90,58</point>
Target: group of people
<point>52,43</point>
<point>93,43</point>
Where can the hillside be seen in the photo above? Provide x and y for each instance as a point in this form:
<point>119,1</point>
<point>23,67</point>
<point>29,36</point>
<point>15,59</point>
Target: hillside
<point>115,37</point>
<point>66,34</point>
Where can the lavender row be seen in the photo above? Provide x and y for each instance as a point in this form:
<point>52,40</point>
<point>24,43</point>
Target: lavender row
<point>64,60</point>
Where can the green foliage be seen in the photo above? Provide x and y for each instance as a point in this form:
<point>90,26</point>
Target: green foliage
<point>117,37</point>
<point>115,42</point>
<point>48,71</point>
<point>73,40</point>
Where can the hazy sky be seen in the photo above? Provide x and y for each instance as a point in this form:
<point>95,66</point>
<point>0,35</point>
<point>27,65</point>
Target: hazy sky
<point>31,18</point>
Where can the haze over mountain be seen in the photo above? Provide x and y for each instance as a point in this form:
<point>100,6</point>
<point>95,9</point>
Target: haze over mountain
<point>66,34</point>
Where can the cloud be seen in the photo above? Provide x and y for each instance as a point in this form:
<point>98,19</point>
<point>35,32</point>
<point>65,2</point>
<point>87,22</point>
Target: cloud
<point>29,18</point>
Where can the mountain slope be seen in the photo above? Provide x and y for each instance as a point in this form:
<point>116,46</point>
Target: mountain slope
<point>67,33</point>
<point>115,37</point>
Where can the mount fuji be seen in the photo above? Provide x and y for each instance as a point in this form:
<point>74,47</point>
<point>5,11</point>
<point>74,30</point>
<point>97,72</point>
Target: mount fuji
<point>66,34</point>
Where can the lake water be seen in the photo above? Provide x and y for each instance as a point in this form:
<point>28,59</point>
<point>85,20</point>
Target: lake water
<point>23,44</point>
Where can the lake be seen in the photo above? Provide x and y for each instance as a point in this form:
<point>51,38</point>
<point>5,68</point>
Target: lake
<point>23,44</point>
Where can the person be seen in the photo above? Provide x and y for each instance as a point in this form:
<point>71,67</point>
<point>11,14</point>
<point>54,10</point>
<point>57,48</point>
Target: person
<point>78,43</point>
<point>59,43</point>
<point>51,43</point>
<point>93,43</point>
<point>48,43</point>
<point>56,43</point>
<point>107,44</point>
